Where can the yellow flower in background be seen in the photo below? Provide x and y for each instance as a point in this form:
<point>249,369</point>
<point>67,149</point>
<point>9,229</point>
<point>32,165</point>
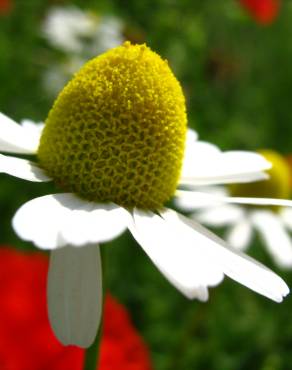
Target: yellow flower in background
<point>116,142</point>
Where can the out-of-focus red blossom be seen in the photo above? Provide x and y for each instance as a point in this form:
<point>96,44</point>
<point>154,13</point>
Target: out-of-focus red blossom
<point>26,339</point>
<point>263,11</point>
<point>5,6</point>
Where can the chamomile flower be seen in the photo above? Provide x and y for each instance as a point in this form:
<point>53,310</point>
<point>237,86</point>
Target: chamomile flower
<point>73,30</point>
<point>273,223</point>
<point>114,142</point>
<point>79,35</point>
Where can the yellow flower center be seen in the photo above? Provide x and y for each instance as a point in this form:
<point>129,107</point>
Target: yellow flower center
<point>117,130</point>
<point>277,186</point>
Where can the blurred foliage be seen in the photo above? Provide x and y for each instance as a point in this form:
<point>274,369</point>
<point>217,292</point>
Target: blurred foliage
<point>238,84</point>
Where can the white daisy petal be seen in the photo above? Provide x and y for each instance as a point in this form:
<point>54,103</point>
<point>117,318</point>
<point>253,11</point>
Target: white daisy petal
<point>53,221</point>
<point>259,201</point>
<point>191,139</point>
<point>228,179</point>
<point>201,293</point>
<point>39,221</point>
<point>177,253</point>
<point>207,200</point>
<point>189,202</point>
<point>286,216</point>
<point>239,235</point>
<point>233,263</point>
<point>33,130</point>
<point>276,239</point>
<point>219,216</point>
<point>14,138</point>
<point>195,150</point>
<point>92,222</point>
<point>204,163</point>
<point>22,169</point>
<point>192,136</point>
<point>215,189</point>
<point>75,294</point>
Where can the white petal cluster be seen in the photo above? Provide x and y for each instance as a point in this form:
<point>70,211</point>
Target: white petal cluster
<point>79,35</point>
<point>206,164</point>
<point>242,223</point>
<point>65,27</point>
<point>188,255</point>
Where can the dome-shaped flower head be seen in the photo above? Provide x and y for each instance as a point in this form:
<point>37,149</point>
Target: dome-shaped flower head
<point>114,142</point>
<point>27,341</point>
<point>272,222</point>
<point>263,11</point>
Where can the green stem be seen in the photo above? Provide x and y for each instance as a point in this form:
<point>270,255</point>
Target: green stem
<point>91,356</point>
<point>92,353</point>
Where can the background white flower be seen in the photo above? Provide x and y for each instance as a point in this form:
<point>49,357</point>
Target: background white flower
<point>272,223</point>
<point>64,28</point>
<point>76,31</point>
<point>79,35</point>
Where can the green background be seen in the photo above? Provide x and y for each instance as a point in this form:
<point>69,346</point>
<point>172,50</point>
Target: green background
<point>237,79</point>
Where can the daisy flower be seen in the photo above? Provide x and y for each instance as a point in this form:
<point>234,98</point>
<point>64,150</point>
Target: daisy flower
<point>273,223</point>
<point>73,30</point>
<point>114,142</point>
<point>80,35</point>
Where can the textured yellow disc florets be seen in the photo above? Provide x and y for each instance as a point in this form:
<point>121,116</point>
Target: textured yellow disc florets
<point>117,130</point>
<point>277,186</point>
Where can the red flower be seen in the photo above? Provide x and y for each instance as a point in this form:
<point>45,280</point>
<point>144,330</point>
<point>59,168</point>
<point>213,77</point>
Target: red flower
<point>263,11</point>
<point>26,339</point>
<point>5,6</point>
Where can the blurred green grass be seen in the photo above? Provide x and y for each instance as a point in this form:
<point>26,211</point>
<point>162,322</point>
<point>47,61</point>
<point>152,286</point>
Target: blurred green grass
<point>238,84</point>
